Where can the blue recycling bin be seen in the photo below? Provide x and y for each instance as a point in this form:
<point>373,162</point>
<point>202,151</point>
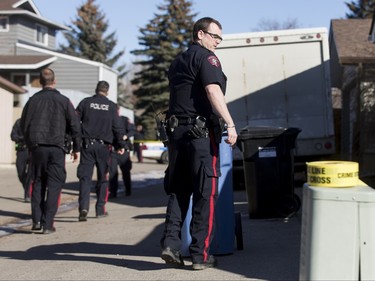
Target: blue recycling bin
<point>223,241</point>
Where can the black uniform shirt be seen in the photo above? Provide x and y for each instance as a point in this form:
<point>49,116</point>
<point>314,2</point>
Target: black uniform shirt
<point>99,119</point>
<point>46,118</point>
<point>128,126</point>
<point>189,74</point>
<point>127,129</point>
<point>16,135</point>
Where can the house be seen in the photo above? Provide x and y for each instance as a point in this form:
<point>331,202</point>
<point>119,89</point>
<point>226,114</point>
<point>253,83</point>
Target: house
<point>352,53</point>
<point>28,43</point>
<point>8,91</point>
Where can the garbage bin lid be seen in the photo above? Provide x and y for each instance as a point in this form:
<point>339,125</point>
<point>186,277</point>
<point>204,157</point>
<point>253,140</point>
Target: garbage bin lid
<point>249,132</point>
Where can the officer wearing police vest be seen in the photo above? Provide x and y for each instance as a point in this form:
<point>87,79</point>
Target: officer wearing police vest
<point>196,115</point>
<point>101,127</point>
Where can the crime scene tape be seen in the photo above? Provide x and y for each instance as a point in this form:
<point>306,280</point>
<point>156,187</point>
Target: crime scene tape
<point>332,173</point>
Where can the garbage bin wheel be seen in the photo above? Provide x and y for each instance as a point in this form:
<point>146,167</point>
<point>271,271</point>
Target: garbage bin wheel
<point>288,206</point>
<point>238,230</point>
<point>296,197</point>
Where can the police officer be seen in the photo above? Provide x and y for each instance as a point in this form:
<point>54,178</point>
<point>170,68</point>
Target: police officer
<point>101,127</point>
<point>45,118</point>
<point>139,137</point>
<point>122,160</point>
<point>22,160</point>
<point>197,86</point>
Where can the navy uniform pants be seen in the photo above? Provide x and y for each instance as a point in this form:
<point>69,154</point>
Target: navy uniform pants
<point>23,171</point>
<point>49,173</point>
<point>94,155</point>
<point>194,168</point>
<point>125,164</point>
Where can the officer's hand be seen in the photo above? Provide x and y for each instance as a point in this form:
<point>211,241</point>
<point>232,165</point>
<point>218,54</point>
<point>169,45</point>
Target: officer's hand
<point>232,136</point>
<point>74,156</point>
<point>121,151</point>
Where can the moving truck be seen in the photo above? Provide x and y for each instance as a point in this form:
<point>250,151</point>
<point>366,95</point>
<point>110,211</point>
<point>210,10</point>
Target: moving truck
<point>281,79</point>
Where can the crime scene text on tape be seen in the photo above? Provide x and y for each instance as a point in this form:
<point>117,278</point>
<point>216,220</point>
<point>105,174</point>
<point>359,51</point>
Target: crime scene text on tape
<point>332,173</point>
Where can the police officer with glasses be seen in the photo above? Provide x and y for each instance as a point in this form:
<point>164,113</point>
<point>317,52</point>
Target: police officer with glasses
<point>196,118</point>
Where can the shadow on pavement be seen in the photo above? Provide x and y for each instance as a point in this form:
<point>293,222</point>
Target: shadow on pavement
<point>268,253</point>
<point>15,215</point>
<point>271,246</point>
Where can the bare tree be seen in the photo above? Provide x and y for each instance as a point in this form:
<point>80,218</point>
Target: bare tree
<point>268,24</point>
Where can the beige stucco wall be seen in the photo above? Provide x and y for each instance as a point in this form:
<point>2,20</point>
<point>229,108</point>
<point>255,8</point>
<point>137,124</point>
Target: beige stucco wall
<point>7,153</point>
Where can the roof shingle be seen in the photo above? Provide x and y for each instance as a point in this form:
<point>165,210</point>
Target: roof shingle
<point>351,38</point>
<point>23,59</point>
<point>7,4</point>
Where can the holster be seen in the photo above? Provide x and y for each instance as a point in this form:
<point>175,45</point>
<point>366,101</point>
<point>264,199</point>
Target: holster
<point>161,128</point>
<point>199,129</point>
<point>85,142</point>
<point>20,146</point>
<point>217,124</point>
<point>67,144</point>
<point>128,146</point>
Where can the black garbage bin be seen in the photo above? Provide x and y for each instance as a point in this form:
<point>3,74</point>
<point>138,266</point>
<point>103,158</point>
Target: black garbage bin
<point>268,159</point>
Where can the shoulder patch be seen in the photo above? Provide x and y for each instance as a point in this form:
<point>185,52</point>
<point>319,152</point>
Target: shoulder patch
<point>213,60</point>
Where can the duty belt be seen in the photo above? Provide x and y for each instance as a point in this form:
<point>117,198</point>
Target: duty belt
<point>88,141</point>
<point>190,120</point>
<point>185,120</point>
<point>175,121</point>
<point>96,140</point>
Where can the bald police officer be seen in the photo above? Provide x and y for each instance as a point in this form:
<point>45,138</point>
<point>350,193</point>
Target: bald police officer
<point>45,119</point>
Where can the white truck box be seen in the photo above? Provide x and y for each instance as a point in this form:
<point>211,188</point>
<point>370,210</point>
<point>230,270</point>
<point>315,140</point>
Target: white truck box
<point>281,79</point>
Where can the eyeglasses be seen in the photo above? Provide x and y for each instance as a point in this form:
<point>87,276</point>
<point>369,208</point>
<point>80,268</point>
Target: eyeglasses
<point>214,36</point>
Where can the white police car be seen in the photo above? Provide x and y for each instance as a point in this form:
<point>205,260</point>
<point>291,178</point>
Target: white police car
<point>155,150</point>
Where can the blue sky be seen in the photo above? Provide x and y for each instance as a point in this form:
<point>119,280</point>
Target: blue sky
<point>237,16</point>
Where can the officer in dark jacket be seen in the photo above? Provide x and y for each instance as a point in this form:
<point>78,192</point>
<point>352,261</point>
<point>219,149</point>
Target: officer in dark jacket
<point>197,86</point>
<point>22,161</point>
<point>101,128</point>
<point>45,119</point>
<point>123,161</point>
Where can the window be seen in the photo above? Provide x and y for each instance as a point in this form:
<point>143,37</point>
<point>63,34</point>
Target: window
<point>26,79</point>
<point>41,34</point>
<point>19,79</point>
<point>34,80</point>
<point>4,24</point>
